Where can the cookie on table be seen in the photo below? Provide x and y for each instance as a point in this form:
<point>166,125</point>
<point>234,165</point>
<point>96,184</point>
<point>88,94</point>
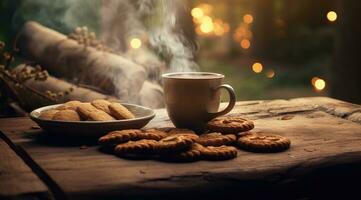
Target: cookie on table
<point>184,132</point>
<point>154,134</point>
<point>118,111</point>
<point>70,105</point>
<point>48,114</point>
<point>101,104</point>
<point>118,137</point>
<point>66,115</point>
<point>216,139</point>
<point>174,143</point>
<point>89,112</point>
<point>263,142</point>
<point>165,129</point>
<point>173,131</point>
<point>121,136</point>
<point>136,147</point>
<point>229,125</point>
<point>193,154</point>
<point>219,153</point>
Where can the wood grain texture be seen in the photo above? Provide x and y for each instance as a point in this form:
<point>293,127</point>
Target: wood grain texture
<point>16,179</point>
<point>325,155</point>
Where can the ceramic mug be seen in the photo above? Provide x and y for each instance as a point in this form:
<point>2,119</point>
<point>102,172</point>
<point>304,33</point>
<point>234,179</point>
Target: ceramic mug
<point>193,98</point>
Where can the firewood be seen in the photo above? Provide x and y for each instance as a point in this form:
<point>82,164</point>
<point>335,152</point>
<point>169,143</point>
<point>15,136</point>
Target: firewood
<point>63,91</point>
<point>152,64</point>
<point>64,57</point>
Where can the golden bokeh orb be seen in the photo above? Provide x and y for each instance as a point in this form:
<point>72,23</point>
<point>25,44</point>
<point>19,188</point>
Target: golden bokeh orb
<point>206,27</point>
<point>135,43</point>
<point>313,80</point>
<point>257,67</point>
<point>270,73</point>
<point>245,44</point>
<point>248,18</point>
<point>320,84</point>
<point>197,12</point>
<point>332,16</point>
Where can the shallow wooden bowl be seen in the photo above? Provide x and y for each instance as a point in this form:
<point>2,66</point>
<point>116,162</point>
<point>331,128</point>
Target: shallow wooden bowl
<point>92,128</point>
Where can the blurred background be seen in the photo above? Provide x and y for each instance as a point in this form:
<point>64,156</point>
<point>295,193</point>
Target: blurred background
<point>266,48</point>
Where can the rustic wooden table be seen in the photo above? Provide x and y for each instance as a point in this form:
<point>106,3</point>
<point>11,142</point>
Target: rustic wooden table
<point>324,160</point>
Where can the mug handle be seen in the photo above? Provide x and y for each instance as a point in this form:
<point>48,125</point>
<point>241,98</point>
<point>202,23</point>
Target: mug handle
<point>232,101</point>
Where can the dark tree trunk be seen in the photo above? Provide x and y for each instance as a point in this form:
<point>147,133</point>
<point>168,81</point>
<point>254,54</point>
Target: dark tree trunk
<point>346,70</point>
<point>263,27</point>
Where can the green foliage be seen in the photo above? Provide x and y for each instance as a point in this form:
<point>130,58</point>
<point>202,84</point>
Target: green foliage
<point>60,15</point>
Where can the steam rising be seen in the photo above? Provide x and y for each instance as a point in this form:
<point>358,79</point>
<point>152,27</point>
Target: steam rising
<point>173,44</point>
<point>153,20</point>
<point>119,21</point>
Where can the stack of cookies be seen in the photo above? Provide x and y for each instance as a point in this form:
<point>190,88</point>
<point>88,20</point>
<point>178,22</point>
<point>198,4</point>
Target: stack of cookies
<point>247,140</point>
<point>97,110</point>
<point>180,145</point>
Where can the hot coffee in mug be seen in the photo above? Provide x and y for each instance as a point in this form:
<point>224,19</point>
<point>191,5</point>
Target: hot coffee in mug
<point>193,98</point>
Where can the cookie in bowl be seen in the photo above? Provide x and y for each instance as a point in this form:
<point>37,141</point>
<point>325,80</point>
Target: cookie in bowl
<point>89,119</point>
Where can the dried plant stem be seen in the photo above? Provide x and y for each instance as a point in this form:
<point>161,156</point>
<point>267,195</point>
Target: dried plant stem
<point>7,75</point>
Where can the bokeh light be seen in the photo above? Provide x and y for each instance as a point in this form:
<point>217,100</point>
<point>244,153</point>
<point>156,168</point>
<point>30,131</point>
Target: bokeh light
<point>135,43</point>
<point>257,67</point>
<point>332,16</point>
<point>245,44</point>
<point>218,28</point>
<point>318,83</point>
<point>207,27</point>
<point>313,80</point>
<point>248,19</point>
<point>197,12</point>
<point>270,73</point>
<point>205,24</point>
<point>242,32</point>
<point>206,19</point>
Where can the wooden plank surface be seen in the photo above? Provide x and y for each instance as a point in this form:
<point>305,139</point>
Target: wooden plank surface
<point>16,179</point>
<point>326,148</point>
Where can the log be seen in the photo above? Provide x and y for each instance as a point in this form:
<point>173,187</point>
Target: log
<point>56,85</point>
<point>152,64</point>
<point>31,94</point>
<point>150,95</point>
<point>66,58</point>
